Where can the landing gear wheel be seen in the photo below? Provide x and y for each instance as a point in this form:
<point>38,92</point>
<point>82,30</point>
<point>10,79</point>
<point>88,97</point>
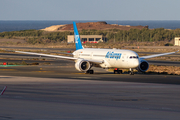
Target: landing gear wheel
<point>90,72</point>
<point>131,72</point>
<point>117,71</point>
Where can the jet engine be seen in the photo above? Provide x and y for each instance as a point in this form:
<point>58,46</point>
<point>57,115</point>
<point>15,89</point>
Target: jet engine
<point>143,67</point>
<point>82,65</point>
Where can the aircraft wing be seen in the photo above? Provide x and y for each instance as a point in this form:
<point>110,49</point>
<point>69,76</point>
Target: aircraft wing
<point>157,55</point>
<point>56,56</point>
<point>63,57</point>
<point>62,53</point>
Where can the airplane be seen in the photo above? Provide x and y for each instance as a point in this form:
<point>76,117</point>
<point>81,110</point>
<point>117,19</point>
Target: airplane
<point>86,58</point>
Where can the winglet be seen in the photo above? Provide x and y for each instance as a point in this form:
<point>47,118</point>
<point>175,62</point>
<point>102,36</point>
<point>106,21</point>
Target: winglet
<point>77,37</point>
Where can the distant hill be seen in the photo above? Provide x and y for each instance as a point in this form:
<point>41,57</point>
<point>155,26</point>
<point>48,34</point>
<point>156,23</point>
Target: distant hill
<point>92,25</point>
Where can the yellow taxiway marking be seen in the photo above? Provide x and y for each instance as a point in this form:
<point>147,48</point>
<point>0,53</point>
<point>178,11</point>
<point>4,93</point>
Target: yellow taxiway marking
<point>7,69</point>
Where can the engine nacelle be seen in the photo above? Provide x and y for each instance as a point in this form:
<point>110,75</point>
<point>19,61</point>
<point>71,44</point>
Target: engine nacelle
<point>143,67</point>
<point>82,65</point>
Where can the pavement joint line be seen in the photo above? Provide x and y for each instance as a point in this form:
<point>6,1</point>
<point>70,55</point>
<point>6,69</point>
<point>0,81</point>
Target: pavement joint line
<point>78,73</point>
<point>89,78</point>
<point>42,71</point>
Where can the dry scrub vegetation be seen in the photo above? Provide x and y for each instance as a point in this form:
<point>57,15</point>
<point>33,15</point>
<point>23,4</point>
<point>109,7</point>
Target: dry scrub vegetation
<point>171,70</point>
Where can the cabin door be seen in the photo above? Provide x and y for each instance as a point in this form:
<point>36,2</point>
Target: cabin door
<point>124,61</point>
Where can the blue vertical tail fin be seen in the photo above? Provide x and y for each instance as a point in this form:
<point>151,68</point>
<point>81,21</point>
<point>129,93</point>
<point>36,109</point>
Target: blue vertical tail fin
<point>77,37</point>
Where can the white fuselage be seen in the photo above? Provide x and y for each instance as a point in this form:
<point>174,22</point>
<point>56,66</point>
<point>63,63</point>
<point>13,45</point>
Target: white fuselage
<point>112,58</point>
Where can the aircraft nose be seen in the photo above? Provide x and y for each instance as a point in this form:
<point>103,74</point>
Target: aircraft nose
<point>133,63</point>
<point>136,63</point>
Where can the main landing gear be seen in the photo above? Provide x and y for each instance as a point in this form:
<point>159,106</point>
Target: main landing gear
<point>90,72</point>
<point>117,71</point>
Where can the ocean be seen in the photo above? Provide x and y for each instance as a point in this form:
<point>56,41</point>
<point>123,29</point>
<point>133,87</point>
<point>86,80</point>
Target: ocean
<point>26,25</point>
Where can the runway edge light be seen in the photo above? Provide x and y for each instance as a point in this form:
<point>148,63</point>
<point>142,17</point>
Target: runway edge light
<point>5,63</point>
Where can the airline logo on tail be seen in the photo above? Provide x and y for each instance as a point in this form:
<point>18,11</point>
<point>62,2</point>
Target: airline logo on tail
<point>77,38</point>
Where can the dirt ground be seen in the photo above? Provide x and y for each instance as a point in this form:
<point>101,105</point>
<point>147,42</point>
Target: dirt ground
<point>92,25</point>
<point>3,40</point>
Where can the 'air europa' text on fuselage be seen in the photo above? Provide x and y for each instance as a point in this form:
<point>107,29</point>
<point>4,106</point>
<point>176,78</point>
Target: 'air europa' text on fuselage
<point>113,55</point>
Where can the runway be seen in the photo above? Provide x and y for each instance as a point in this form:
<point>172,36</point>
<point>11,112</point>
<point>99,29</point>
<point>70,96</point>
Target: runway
<point>58,91</point>
<point>56,98</point>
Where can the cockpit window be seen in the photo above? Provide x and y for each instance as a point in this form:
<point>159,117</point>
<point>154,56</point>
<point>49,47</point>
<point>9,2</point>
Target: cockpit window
<point>133,57</point>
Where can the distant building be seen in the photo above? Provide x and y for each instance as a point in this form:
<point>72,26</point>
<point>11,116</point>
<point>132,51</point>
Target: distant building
<point>177,41</point>
<point>86,38</point>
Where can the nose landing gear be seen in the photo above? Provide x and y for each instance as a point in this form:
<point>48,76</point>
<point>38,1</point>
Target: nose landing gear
<point>131,71</point>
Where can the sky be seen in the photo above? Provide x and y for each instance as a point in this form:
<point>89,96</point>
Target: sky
<point>89,10</point>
